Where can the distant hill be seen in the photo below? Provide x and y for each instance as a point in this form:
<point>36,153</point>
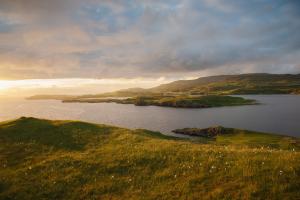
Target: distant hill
<point>213,85</point>
<point>256,83</point>
<point>236,84</point>
<point>43,159</point>
<point>131,92</point>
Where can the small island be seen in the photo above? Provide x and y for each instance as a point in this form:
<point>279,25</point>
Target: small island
<point>210,132</point>
<point>205,101</point>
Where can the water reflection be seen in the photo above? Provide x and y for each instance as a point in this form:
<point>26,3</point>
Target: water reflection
<point>277,114</point>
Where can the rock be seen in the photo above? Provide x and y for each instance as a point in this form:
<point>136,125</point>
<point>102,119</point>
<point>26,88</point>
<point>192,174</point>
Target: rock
<point>206,132</point>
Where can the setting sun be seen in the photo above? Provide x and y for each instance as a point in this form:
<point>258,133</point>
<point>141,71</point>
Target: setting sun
<point>4,85</point>
<point>75,85</point>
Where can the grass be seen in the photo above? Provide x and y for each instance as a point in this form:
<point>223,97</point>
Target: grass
<point>236,84</point>
<point>230,136</point>
<point>42,159</point>
<point>258,140</point>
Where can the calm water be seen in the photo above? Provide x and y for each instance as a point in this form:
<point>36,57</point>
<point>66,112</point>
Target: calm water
<point>277,114</point>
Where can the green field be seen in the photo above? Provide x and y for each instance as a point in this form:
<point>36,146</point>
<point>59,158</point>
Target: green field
<point>42,159</point>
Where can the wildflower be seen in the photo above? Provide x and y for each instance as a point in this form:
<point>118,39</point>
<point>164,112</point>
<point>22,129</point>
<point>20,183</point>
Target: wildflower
<point>112,176</point>
<point>280,172</point>
<point>213,167</point>
<point>175,176</point>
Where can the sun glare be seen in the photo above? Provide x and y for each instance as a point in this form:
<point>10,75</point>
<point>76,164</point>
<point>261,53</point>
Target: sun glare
<point>4,85</point>
<point>22,87</point>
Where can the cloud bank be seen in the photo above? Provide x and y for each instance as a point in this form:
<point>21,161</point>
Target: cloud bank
<point>140,38</point>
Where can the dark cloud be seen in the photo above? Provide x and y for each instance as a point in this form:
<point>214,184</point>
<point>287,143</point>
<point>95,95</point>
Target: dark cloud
<point>72,38</point>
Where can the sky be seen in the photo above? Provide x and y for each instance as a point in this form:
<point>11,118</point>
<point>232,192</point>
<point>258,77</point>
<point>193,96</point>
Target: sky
<point>111,44</point>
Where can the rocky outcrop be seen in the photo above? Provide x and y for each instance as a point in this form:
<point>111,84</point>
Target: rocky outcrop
<point>210,132</point>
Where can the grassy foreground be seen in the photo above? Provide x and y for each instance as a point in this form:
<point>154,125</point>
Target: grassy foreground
<point>42,159</point>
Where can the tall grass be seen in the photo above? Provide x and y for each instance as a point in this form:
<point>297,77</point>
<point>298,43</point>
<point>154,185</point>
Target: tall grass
<point>113,163</point>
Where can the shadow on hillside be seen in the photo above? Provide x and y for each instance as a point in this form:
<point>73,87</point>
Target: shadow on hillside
<point>71,135</point>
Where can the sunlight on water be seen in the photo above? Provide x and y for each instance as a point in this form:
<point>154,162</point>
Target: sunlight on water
<point>277,114</point>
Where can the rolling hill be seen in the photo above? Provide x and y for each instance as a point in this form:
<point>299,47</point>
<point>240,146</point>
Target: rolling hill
<point>43,159</point>
<point>212,85</point>
<point>236,84</point>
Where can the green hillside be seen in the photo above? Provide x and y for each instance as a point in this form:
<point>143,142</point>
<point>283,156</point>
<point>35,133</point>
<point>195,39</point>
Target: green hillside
<point>211,85</point>
<point>236,84</point>
<point>42,159</point>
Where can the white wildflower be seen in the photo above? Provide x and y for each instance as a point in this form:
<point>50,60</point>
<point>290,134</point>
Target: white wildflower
<point>280,172</point>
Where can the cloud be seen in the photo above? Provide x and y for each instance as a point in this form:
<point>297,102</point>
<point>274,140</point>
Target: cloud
<point>173,38</point>
<point>28,87</point>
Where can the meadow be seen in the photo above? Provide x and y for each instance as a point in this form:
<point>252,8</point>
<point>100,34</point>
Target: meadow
<point>42,159</point>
